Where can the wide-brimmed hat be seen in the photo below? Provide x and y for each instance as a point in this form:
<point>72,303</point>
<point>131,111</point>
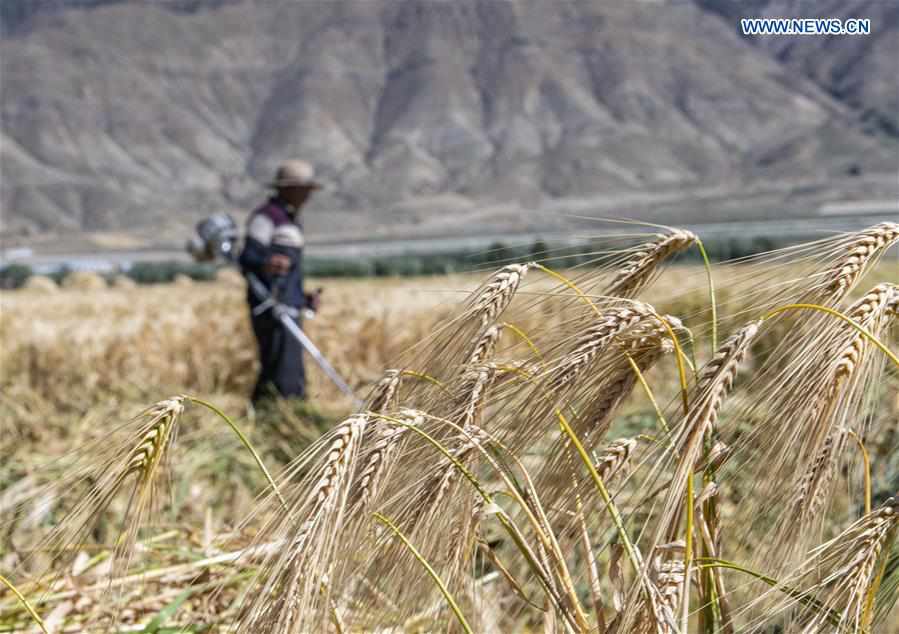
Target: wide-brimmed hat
<point>295,173</point>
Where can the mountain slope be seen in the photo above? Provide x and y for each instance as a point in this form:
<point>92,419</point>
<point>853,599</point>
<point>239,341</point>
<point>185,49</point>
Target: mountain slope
<point>145,116</point>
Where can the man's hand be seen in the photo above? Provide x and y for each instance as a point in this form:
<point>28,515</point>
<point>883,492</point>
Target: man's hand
<point>277,264</point>
<point>314,300</point>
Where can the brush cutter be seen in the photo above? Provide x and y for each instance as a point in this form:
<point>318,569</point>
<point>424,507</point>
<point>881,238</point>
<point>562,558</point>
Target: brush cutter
<point>217,240</point>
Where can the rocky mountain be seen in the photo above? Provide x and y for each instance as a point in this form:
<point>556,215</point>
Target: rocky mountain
<point>433,116</point>
<point>859,71</point>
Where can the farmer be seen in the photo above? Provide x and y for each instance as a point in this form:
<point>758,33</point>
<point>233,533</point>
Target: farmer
<point>273,252</point>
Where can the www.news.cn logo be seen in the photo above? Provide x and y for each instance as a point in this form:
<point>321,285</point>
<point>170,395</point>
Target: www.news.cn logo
<point>805,26</point>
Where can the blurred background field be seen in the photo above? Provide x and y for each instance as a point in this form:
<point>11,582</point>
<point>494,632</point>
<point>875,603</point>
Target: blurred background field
<point>86,343</point>
<point>84,355</point>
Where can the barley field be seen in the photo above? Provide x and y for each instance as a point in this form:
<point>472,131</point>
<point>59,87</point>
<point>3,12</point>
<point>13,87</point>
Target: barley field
<point>623,447</point>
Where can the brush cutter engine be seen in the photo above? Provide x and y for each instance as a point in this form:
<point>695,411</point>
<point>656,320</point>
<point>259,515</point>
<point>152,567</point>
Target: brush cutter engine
<point>217,239</point>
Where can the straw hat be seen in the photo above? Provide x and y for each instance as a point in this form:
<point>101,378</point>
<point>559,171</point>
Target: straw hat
<point>295,173</point>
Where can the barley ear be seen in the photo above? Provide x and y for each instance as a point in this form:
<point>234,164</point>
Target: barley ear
<point>637,272</point>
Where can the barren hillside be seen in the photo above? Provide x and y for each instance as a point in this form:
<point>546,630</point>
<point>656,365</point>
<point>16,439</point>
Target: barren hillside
<point>139,116</point>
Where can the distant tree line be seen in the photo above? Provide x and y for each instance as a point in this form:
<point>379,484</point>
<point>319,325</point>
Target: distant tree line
<point>719,249</point>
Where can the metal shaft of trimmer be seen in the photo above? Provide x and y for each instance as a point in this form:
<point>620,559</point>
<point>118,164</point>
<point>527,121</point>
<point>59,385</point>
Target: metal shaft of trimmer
<point>286,316</point>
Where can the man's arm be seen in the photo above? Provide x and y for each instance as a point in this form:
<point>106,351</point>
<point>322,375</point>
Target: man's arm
<point>257,256</point>
<point>256,247</point>
<point>254,256</point>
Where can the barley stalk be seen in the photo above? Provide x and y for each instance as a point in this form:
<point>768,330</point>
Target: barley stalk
<point>637,271</point>
<point>383,394</point>
<point>660,603</point>
<point>437,490</point>
<point>861,249</point>
<point>714,384</point>
<point>843,571</point>
<point>597,338</point>
<point>640,347</point>
<point>484,346</point>
<point>814,487</point>
<point>289,597</point>
<point>670,580</point>
<point>145,457</point>
<point>831,389</point>
<point>614,458</point>
<point>497,293</point>
<point>337,458</point>
<point>643,346</point>
<point>378,459</point>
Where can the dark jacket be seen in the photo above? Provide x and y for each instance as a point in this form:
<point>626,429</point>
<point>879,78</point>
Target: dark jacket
<point>270,230</point>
